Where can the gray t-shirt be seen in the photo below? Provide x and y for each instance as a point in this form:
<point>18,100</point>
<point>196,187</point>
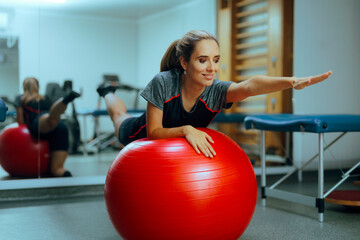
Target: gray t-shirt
<point>164,92</point>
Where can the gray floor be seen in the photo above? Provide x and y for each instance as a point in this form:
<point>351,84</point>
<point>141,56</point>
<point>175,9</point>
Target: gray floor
<point>86,218</point>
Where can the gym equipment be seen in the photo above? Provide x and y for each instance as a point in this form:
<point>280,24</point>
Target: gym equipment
<point>3,110</point>
<point>319,124</point>
<point>163,189</point>
<point>115,81</point>
<point>20,154</point>
<point>9,110</point>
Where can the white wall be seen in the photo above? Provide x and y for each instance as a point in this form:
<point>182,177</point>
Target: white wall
<point>157,32</point>
<point>58,47</point>
<point>8,78</point>
<point>9,69</point>
<point>55,47</point>
<point>327,37</point>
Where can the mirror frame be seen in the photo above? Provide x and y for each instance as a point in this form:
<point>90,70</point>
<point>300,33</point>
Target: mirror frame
<point>18,184</point>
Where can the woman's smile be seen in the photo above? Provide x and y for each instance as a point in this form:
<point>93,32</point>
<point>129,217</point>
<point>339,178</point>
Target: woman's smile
<point>209,77</point>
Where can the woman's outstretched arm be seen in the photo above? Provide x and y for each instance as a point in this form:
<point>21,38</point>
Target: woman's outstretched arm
<point>258,85</point>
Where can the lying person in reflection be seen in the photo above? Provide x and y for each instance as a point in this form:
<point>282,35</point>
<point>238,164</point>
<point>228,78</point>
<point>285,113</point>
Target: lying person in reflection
<point>43,121</point>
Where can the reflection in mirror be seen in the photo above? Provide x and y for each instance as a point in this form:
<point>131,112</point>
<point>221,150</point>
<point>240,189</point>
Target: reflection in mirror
<point>78,45</point>
<point>9,75</point>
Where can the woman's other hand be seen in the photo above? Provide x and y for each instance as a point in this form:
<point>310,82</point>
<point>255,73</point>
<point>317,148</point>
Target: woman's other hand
<point>200,141</point>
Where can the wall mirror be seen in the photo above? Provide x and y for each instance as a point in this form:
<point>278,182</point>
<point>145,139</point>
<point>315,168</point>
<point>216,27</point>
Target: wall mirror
<point>77,43</point>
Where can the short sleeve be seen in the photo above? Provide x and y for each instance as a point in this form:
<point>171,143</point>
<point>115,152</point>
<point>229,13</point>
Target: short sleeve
<point>154,92</point>
<point>17,101</point>
<point>217,95</point>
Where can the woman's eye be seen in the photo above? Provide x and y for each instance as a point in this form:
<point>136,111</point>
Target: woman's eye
<point>216,60</point>
<point>202,60</point>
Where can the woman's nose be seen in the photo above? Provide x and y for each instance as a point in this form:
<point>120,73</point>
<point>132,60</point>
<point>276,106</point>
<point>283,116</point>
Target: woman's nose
<point>211,66</point>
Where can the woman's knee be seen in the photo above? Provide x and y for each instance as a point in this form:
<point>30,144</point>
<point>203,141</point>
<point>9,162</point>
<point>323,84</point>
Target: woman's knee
<point>53,122</point>
<point>47,123</point>
<point>59,138</point>
<point>61,130</point>
<point>117,123</point>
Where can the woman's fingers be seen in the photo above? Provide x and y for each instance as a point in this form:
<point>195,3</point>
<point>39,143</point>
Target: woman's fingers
<point>201,149</point>
<point>195,147</point>
<point>320,78</point>
<point>205,150</point>
<point>206,146</point>
<point>202,144</point>
<point>307,81</point>
<point>210,140</point>
<point>302,83</point>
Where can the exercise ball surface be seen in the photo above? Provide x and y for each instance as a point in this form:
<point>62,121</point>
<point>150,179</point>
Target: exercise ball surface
<point>20,154</point>
<point>163,189</point>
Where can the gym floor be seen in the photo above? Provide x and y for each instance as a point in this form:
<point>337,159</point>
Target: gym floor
<point>85,217</point>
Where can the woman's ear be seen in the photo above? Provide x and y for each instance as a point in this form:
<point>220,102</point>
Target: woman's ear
<point>183,62</point>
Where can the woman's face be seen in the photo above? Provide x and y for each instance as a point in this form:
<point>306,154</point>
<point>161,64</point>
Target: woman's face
<point>204,63</point>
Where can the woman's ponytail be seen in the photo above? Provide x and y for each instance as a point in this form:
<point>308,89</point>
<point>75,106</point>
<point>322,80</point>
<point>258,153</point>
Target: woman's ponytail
<point>170,59</point>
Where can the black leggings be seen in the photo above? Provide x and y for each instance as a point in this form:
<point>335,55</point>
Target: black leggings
<point>58,138</point>
<point>132,129</point>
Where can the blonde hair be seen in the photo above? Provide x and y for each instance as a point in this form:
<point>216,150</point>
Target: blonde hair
<point>31,90</point>
<point>183,47</point>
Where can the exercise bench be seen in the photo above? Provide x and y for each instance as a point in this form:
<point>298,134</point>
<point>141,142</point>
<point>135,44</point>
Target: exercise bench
<point>319,124</point>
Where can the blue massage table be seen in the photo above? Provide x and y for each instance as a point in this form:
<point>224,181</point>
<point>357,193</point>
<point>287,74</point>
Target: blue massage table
<point>319,124</point>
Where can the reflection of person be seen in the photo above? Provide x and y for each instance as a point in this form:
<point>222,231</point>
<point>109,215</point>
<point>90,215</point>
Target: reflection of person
<point>186,95</point>
<point>43,120</point>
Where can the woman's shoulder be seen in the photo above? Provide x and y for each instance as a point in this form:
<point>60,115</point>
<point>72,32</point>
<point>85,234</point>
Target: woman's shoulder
<point>17,101</point>
<point>218,84</point>
<point>172,74</point>
<point>19,96</point>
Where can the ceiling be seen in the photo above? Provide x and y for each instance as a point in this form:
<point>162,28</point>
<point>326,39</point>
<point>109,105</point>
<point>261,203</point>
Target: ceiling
<point>133,9</point>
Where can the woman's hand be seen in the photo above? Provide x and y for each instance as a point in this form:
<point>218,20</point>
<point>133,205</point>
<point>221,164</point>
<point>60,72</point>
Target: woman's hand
<point>200,141</point>
<point>300,83</point>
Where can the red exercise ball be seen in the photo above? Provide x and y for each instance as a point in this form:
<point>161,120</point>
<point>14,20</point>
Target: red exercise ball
<point>20,154</point>
<point>163,189</point>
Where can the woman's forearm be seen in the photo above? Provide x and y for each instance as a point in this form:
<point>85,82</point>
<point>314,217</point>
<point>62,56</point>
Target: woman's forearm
<point>160,133</point>
<point>265,84</point>
<point>199,140</point>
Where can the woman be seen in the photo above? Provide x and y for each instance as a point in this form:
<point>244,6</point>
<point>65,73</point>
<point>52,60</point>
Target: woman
<point>186,95</point>
<point>43,121</point>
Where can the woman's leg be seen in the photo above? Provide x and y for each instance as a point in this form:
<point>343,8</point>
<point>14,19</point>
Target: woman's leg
<point>59,144</point>
<point>49,121</point>
<point>115,107</point>
<point>57,161</point>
